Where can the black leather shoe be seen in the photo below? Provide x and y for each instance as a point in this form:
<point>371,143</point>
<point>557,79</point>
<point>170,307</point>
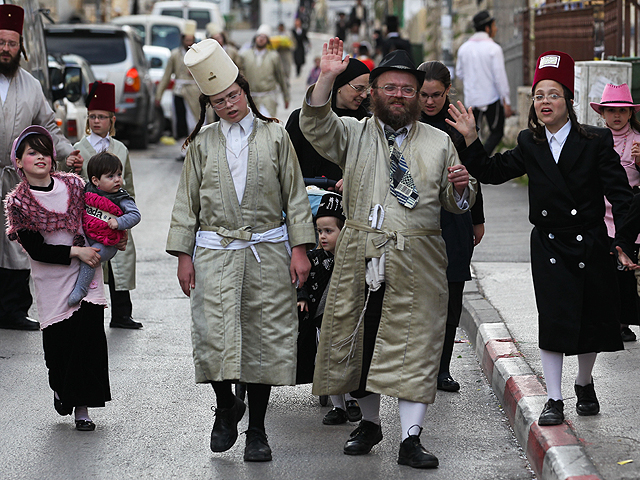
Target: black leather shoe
<point>587,403</point>
<point>354,414</point>
<point>552,413</point>
<point>125,322</point>
<point>448,384</point>
<point>225,428</point>
<point>19,323</point>
<point>85,425</point>
<point>335,416</point>
<point>257,448</point>
<point>412,453</point>
<point>627,335</point>
<point>363,438</point>
<point>60,408</point>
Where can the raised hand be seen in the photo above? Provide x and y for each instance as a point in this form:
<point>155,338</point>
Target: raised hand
<point>331,62</point>
<point>463,121</point>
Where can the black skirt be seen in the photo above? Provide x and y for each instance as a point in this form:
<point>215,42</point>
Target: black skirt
<point>75,351</point>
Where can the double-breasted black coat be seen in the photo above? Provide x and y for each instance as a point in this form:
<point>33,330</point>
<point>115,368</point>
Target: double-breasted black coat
<point>573,271</point>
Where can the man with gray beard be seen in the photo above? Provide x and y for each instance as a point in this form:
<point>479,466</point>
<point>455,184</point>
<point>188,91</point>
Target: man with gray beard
<point>386,308</point>
<point>23,104</point>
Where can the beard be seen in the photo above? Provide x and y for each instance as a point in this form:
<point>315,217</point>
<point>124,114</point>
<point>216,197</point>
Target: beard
<point>395,119</point>
<point>9,69</point>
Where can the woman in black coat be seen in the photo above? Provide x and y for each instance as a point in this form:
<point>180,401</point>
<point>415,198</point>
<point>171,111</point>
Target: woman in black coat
<point>460,232</point>
<point>571,168</point>
<point>302,43</point>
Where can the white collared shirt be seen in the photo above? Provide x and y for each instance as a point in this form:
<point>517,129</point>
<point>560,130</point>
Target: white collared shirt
<point>558,139</point>
<point>237,140</point>
<point>4,87</point>
<point>99,144</point>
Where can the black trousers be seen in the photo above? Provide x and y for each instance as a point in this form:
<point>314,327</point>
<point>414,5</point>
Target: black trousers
<point>15,296</point>
<point>75,352</point>
<point>454,310</point>
<point>182,129</point>
<point>121,306</point>
<point>494,115</point>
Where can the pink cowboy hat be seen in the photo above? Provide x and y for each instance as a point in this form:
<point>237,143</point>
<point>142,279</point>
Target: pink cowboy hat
<point>615,96</point>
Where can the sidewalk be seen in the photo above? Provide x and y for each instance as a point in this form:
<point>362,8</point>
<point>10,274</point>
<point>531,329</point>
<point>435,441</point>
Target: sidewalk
<point>500,317</point>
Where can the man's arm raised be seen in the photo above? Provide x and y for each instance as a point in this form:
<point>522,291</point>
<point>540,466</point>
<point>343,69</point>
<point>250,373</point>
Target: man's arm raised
<point>331,65</point>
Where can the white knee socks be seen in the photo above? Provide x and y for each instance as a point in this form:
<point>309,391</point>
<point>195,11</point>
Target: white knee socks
<point>370,407</point>
<point>585,367</point>
<point>552,371</point>
<point>411,417</point>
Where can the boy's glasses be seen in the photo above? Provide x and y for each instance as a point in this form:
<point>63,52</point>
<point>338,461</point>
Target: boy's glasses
<point>102,118</point>
<point>553,97</point>
<point>11,43</point>
<point>232,99</point>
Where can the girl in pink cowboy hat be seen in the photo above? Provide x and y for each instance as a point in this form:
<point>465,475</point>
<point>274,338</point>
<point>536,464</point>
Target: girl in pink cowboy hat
<point>618,112</point>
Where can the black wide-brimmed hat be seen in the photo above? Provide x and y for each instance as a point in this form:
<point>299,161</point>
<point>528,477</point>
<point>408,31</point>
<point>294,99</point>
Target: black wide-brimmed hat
<point>482,19</point>
<point>397,60</point>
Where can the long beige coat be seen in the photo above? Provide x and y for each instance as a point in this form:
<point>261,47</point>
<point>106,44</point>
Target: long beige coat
<point>264,79</point>
<point>244,319</point>
<point>25,105</point>
<point>185,85</point>
<point>414,311</point>
<point>124,262</point>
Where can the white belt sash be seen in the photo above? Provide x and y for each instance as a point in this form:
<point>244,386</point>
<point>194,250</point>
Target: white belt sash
<point>215,241</point>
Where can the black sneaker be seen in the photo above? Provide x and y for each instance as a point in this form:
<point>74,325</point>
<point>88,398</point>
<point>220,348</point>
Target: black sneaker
<point>335,416</point>
<point>225,428</point>
<point>354,414</point>
<point>587,403</point>
<point>257,448</point>
<point>363,438</point>
<point>552,413</point>
<point>412,453</point>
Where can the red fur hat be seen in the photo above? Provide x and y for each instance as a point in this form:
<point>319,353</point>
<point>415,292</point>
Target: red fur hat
<point>554,65</point>
<point>102,96</point>
<point>11,18</point>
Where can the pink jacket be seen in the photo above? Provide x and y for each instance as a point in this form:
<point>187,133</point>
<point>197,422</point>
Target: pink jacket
<point>95,227</point>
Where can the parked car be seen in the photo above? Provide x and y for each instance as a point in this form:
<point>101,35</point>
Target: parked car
<point>158,57</point>
<point>71,112</point>
<point>116,56</point>
<point>202,12</point>
<point>159,30</point>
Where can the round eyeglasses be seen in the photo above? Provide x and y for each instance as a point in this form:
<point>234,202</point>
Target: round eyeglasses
<point>390,89</point>
<point>232,99</point>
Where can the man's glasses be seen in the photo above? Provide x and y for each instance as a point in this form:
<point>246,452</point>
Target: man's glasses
<point>407,92</point>
<point>232,99</point>
<point>102,118</point>
<point>11,43</point>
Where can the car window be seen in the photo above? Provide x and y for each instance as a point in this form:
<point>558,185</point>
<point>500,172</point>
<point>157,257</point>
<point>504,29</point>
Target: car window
<point>165,36</point>
<point>140,30</point>
<point>201,17</point>
<point>96,48</point>
<point>172,12</point>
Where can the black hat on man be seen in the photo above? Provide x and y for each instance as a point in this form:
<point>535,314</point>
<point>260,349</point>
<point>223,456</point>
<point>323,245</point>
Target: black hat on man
<point>397,60</point>
<point>481,20</point>
<point>331,206</point>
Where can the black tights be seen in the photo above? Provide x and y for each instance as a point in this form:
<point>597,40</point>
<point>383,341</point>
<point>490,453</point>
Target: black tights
<point>257,395</point>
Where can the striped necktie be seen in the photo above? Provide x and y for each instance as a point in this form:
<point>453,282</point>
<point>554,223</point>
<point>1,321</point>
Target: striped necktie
<point>401,182</point>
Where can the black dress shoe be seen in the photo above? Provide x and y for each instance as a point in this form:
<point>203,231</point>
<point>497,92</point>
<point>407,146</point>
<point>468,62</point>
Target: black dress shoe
<point>587,403</point>
<point>448,384</point>
<point>412,453</point>
<point>354,414</point>
<point>257,448</point>
<point>125,322</point>
<point>19,323</point>
<point>60,408</point>
<point>225,428</point>
<point>552,413</point>
<point>627,335</point>
<point>85,425</point>
<point>363,438</point>
<point>335,416</point>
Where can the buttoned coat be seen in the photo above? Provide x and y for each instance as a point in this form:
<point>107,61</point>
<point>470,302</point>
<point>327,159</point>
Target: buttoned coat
<point>25,105</point>
<point>265,77</point>
<point>409,340</point>
<point>244,319</point>
<point>123,264</point>
<point>573,272</point>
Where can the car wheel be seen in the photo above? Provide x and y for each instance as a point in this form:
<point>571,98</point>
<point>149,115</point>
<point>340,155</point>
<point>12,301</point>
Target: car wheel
<point>139,140</point>
<point>156,127</point>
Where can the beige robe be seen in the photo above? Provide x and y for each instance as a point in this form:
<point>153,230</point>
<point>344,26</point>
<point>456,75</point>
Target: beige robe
<point>244,320</point>
<point>124,262</point>
<point>264,78</point>
<point>185,86</point>
<point>409,340</point>
<point>25,105</point>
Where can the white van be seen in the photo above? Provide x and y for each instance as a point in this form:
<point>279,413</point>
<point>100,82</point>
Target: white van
<point>202,12</point>
<point>158,30</point>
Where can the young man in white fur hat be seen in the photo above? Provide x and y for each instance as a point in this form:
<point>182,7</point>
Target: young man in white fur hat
<point>263,69</point>
<point>239,260</point>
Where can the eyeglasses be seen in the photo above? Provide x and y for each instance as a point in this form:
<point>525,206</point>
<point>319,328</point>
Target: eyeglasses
<point>358,88</point>
<point>552,97</point>
<point>407,92</point>
<point>11,43</point>
<point>232,99</point>
<point>433,96</point>
<point>102,118</point>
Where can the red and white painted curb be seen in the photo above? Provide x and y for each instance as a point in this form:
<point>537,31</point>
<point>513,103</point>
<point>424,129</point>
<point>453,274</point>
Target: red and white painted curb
<point>555,453</point>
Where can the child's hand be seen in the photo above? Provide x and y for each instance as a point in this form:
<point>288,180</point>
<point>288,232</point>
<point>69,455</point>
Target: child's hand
<point>113,223</point>
<point>75,161</point>
<point>88,255</point>
<point>635,150</point>
<point>303,306</point>
<point>186,274</point>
